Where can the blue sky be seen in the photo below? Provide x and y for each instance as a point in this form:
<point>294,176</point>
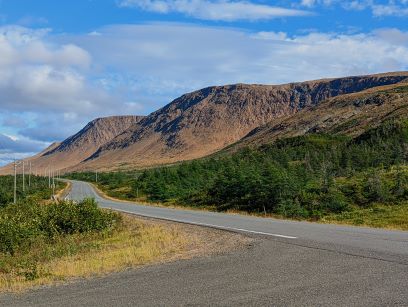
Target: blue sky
<point>63,63</point>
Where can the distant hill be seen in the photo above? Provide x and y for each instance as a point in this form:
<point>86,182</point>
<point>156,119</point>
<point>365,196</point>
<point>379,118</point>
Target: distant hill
<point>80,146</point>
<point>205,121</point>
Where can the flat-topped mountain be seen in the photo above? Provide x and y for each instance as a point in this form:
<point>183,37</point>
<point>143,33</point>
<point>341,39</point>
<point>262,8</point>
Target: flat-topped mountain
<point>205,121</point>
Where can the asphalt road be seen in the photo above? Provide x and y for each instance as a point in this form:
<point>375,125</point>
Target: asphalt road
<point>292,264</point>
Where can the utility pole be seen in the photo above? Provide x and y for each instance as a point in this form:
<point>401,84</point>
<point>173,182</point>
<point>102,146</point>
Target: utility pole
<point>29,176</point>
<point>15,181</point>
<point>96,176</point>
<point>53,183</point>
<point>49,177</point>
<point>23,178</point>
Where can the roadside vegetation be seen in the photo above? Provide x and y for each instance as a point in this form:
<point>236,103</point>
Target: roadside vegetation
<point>37,190</point>
<point>42,244</point>
<point>32,233</point>
<point>46,242</point>
<point>327,178</point>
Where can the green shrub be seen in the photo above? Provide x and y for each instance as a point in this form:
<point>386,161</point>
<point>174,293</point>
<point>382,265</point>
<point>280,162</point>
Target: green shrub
<point>70,217</point>
<point>38,190</point>
<point>334,202</point>
<point>292,208</point>
<point>25,224</point>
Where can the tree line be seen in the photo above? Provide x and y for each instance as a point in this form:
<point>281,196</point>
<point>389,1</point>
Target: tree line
<point>306,176</point>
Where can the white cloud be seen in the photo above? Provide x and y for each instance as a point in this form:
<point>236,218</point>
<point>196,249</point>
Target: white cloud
<point>182,57</point>
<point>226,10</point>
<point>50,83</point>
<point>127,69</point>
<point>6,158</point>
<point>390,10</point>
<point>14,144</point>
<point>36,74</point>
<point>396,8</point>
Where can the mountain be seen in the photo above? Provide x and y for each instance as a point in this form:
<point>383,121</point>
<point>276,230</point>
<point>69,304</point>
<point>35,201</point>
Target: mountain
<point>206,121</point>
<point>80,146</point>
<point>350,114</point>
<point>203,122</point>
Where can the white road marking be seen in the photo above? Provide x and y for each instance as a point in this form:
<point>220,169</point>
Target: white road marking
<point>201,224</point>
<point>206,225</point>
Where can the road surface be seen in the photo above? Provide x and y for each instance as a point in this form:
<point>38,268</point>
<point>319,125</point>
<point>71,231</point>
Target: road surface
<point>291,263</point>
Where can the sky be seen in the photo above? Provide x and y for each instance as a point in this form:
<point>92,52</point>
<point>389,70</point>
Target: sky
<point>64,63</point>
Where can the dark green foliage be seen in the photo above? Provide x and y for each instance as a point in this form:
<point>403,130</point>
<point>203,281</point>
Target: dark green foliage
<point>37,191</point>
<point>303,177</point>
<point>24,224</point>
<point>69,218</point>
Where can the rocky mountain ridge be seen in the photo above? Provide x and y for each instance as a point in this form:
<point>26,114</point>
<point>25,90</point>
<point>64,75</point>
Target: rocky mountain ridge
<point>206,121</point>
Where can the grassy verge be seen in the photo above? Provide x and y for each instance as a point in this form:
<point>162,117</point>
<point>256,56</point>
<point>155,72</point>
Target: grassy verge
<point>118,243</point>
<point>378,216</point>
<point>63,190</point>
<point>133,243</point>
<point>387,216</point>
<point>42,242</point>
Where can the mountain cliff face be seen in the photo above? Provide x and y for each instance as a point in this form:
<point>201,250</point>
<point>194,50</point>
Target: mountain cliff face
<point>205,121</point>
<point>349,114</point>
<point>81,145</point>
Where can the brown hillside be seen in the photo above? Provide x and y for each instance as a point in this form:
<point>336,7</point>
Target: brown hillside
<point>79,146</point>
<point>348,114</point>
<point>205,121</point>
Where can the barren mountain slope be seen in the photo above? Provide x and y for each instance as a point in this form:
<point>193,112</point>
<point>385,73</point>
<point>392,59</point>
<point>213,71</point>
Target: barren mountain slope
<point>205,121</point>
<point>349,114</point>
<point>79,146</point>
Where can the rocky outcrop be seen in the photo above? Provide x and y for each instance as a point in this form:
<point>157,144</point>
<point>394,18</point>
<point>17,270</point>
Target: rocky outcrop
<point>350,114</point>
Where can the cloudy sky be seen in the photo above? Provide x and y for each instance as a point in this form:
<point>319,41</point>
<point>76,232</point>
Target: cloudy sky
<point>63,63</point>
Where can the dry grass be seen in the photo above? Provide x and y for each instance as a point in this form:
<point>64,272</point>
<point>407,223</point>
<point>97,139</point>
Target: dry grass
<point>392,217</point>
<point>137,242</point>
<point>61,194</point>
<point>141,201</point>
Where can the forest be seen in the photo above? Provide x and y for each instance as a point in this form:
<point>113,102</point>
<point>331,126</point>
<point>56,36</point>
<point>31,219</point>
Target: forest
<point>305,177</point>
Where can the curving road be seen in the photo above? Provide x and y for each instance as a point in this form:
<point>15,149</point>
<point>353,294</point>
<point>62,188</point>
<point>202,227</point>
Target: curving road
<point>292,263</point>
<point>368,242</point>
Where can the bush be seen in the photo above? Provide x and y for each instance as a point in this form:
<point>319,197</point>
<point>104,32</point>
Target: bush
<point>69,218</point>
<point>24,224</point>
<point>334,202</point>
<point>292,208</point>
